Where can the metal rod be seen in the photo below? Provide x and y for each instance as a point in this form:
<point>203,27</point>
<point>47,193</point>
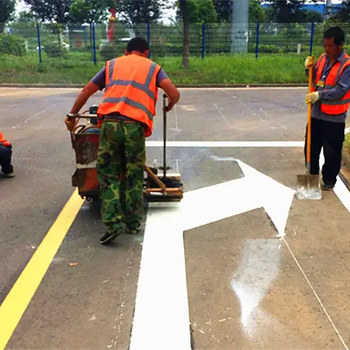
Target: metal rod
<point>94,42</point>
<point>257,40</point>
<point>312,37</point>
<point>39,42</point>
<point>203,41</point>
<point>164,134</point>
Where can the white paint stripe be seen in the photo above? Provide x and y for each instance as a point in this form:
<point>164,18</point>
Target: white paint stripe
<point>228,144</point>
<point>342,193</point>
<point>316,295</point>
<point>222,115</point>
<point>248,88</point>
<point>34,116</point>
<point>161,319</point>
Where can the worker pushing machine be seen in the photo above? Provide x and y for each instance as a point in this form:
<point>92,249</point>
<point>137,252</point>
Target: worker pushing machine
<point>5,157</point>
<point>126,118</point>
<point>330,99</point>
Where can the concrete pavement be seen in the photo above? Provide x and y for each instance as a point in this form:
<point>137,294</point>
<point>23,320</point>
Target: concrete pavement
<point>246,287</point>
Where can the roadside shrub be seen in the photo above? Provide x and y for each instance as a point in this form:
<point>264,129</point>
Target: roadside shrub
<point>12,45</point>
<point>109,51</point>
<point>53,50</point>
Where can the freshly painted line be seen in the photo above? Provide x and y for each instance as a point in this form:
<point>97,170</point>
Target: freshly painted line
<point>161,319</point>
<point>228,144</point>
<point>316,295</point>
<point>34,116</point>
<point>17,301</point>
<point>342,193</point>
<point>258,268</point>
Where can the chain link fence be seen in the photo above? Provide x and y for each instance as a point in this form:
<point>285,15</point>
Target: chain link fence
<point>93,42</point>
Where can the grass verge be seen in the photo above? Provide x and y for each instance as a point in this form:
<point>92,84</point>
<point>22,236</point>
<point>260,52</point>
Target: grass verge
<point>78,68</point>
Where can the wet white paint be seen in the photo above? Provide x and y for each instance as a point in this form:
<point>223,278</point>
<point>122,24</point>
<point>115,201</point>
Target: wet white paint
<point>161,317</point>
<point>228,144</point>
<point>162,288</point>
<point>258,268</point>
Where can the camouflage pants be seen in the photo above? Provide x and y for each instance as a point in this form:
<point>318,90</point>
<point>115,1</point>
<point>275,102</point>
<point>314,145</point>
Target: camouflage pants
<point>120,167</point>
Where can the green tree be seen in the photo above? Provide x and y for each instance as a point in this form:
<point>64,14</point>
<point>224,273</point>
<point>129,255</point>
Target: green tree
<point>88,11</point>
<point>200,11</point>
<point>50,10</point>
<point>186,33</point>
<point>25,27</point>
<point>343,15</point>
<point>135,12</point>
<point>224,10</point>
<point>256,12</point>
<point>286,11</point>
<point>7,8</point>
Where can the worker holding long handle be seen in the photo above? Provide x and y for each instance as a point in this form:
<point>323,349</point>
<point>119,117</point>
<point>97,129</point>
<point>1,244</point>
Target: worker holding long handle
<point>330,99</point>
<point>126,118</point>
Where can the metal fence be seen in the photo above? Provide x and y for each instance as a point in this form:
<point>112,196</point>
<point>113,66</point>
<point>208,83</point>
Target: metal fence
<point>92,43</point>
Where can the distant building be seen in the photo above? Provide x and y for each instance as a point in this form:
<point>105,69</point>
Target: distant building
<point>320,8</point>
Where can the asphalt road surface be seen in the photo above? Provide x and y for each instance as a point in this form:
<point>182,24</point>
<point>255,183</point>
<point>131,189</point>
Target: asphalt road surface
<point>240,263</point>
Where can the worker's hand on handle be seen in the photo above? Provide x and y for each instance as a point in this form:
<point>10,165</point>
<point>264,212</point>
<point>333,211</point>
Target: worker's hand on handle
<point>310,62</point>
<point>312,97</point>
<point>70,121</point>
<point>169,107</point>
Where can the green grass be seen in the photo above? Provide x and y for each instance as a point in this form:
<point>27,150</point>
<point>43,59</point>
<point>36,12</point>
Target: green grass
<point>347,141</point>
<point>78,68</point>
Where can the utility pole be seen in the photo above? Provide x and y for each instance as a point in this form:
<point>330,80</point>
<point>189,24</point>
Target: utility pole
<point>240,28</point>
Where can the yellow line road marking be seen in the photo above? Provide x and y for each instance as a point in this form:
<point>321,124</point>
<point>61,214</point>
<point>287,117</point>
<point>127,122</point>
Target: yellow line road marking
<point>17,301</point>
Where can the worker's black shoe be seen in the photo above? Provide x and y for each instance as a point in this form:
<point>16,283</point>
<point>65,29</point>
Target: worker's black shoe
<point>10,175</point>
<point>134,229</point>
<point>328,186</point>
<point>110,237</point>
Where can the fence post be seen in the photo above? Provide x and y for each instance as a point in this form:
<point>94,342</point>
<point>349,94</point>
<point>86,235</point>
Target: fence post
<point>39,42</point>
<point>257,40</point>
<point>94,42</point>
<point>312,37</point>
<point>149,38</point>
<point>203,41</point>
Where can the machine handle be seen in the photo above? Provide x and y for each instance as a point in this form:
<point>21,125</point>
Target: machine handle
<point>165,98</point>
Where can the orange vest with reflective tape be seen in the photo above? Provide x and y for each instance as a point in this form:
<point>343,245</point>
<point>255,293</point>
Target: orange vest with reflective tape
<point>3,141</point>
<point>131,89</point>
<point>333,107</point>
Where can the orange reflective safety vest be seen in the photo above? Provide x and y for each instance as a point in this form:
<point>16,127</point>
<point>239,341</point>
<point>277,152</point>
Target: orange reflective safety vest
<point>332,107</point>
<point>3,141</point>
<point>131,89</point>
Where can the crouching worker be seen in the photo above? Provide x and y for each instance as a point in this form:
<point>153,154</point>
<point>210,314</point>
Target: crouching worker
<point>128,107</point>
<point>5,157</point>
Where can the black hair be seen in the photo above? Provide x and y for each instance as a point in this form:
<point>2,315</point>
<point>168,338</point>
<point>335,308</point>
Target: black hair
<point>137,44</point>
<point>336,33</point>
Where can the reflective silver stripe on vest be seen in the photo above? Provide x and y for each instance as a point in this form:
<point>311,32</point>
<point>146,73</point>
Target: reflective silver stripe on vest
<point>131,103</point>
<point>150,74</point>
<point>111,70</point>
<point>340,68</point>
<point>336,103</point>
<point>142,87</point>
<point>133,83</point>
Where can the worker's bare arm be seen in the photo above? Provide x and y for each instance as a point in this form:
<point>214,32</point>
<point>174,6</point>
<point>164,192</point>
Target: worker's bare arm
<point>171,91</point>
<point>84,95</point>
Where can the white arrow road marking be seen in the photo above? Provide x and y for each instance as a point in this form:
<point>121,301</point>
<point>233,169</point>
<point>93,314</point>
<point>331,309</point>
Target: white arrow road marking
<point>258,268</point>
<point>161,318</point>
